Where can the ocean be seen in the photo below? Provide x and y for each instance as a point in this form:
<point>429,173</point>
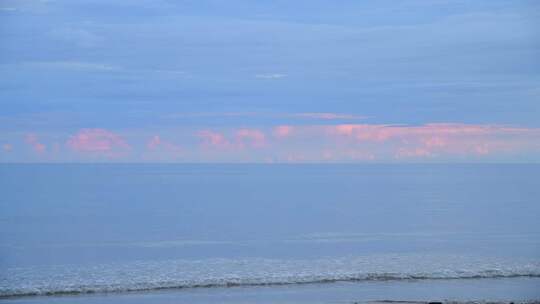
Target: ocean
<point>245,233</point>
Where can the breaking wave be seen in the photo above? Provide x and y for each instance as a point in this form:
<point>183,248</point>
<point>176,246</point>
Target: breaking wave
<point>181,274</point>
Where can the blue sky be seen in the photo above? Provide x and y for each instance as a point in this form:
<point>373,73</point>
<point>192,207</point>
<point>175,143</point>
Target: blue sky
<point>116,80</point>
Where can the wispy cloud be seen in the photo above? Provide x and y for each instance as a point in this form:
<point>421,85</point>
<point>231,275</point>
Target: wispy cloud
<point>214,114</point>
<point>72,65</point>
<point>292,116</point>
<point>98,142</point>
<point>327,116</point>
<point>271,76</point>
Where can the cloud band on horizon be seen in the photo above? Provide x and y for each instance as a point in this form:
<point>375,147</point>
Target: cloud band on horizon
<point>442,142</point>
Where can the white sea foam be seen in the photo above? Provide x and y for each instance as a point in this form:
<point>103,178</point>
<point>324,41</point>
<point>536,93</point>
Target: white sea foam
<point>169,274</point>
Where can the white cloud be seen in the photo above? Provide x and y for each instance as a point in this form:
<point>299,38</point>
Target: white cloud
<point>270,76</point>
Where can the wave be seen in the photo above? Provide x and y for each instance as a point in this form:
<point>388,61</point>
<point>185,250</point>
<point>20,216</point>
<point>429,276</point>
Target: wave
<point>154,276</point>
<point>80,290</point>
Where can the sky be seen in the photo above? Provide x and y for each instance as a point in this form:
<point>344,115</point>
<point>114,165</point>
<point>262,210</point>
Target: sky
<point>269,81</point>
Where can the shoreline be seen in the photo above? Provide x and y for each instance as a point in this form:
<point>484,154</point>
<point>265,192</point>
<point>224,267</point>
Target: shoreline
<point>465,291</point>
<point>106,290</point>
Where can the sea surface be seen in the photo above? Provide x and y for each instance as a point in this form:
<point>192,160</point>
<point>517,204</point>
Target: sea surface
<point>206,233</point>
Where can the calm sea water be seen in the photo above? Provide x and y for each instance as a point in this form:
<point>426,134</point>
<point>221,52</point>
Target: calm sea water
<point>71,229</point>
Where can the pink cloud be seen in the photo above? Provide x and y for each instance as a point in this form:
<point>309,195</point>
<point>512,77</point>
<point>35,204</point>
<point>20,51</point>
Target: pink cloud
<point>250,137</point>
<point>430,140</point>
<point>282,131</point>
<point>370,132</point>
<point>455,139</point>
<point>213,139</point>
<point>98,142</point>
<point>154,142</point>
<point>364,132</point>
<point>32,140</point>
<point>311,143</point>
<point>368,142</point>
<point>243,138</point>
<point>344,129</point>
